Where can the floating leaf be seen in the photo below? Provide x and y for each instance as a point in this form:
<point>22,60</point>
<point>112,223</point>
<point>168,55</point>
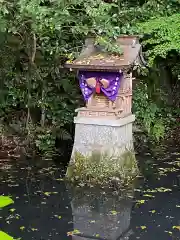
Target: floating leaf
<point>12,209</point>
<point>143,227</point>
<point>141,201</point>
<point>169,232</point>
<point>113,212</point>
<point>148,195</point>
<point>47,194</point>
<point>162,189</point>
<point>34,229</point>
<point>137,190</point>
<point>59,217</point>
<point>59,179</point>
<point>176,227</point>
<point>22,228</point>
<point>5,201</point>
<point>76,231</point>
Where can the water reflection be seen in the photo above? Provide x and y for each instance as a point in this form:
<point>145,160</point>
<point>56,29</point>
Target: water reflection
<point>101,213</point>
<point>46,208</point>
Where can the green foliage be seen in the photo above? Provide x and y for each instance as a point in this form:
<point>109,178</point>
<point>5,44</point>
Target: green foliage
<point>146,111</point>
<point>45,139</point>
<point>38,97</point>
<point>37,37</point>
<point>149,115</point>
<point>163,36</point>
<point>108,46</point>
<point>129,13</point>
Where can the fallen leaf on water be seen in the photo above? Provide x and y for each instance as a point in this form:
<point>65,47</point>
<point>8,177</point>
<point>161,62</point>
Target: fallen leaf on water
<point>137,190</point>
<point>169,232</point>
<point>141,201</point>
<point>76,231</point>
<point>160,189</point>
<point>148,195</point>
<point>34,229</point>
<point>59,217</point>
<point>151,191</point>
<point>47,194</point>
<point>59,179</point>
<point>12,209</point>
<point>113,212</point>
<point>152,211</point>
<point>22,228</point>
<point>176,227</point>
<point>50,193</point>
<point>143,227</point>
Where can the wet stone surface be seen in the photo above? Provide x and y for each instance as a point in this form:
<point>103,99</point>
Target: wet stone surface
<point>46,208</point>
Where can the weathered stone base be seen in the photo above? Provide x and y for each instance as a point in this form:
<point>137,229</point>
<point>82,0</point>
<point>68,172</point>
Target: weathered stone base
<point>102,144</point>
<point>110,136</point>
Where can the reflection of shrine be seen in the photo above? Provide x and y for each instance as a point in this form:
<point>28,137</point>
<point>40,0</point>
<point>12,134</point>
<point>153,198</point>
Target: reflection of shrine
<point>99,214</point>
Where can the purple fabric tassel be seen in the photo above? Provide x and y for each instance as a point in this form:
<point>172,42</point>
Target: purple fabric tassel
<point>110,92</point>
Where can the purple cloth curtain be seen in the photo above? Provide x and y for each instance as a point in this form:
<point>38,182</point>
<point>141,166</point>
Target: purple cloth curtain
<point>110,92</point>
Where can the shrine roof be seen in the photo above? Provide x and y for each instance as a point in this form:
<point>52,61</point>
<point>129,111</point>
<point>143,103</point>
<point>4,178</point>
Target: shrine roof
<point>93,58</point>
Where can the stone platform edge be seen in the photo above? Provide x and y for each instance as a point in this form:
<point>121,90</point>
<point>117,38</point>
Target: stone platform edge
<point>105,122</point>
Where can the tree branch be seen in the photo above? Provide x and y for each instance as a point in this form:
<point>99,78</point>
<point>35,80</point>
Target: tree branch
<point>34,48</point>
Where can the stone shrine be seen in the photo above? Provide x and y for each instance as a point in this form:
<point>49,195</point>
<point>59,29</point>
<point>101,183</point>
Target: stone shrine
<point>104,125</point>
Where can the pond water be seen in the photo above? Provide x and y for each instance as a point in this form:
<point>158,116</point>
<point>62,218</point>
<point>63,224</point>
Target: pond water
<point>46,208</point>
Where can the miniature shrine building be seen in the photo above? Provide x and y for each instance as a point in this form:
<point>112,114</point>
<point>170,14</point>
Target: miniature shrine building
<point>105,80</point>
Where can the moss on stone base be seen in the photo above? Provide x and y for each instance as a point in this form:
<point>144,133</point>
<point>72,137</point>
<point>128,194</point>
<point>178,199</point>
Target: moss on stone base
<point>102,168</point>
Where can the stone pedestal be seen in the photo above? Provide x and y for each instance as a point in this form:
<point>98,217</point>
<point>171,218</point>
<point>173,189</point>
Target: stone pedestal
<point>103,149</point>
<point>105,136</point>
